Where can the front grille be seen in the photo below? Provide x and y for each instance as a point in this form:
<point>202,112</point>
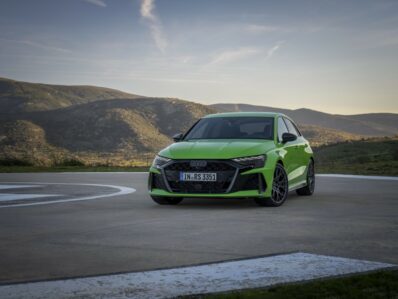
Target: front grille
<point>225,174</point>
<point>210,166</point>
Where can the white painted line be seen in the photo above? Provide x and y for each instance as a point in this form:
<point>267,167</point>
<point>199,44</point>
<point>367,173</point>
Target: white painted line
<point>362,177</point>
<point>352,176</point>
<point>14,196</point>
<point>4,187</point>
<point>102,172</point>
<point>218,277</point>
<point>122,191</point>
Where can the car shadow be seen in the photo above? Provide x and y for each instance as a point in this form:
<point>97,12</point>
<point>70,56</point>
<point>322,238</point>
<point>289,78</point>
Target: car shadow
<point>214,203</point>
<point>226,203</point>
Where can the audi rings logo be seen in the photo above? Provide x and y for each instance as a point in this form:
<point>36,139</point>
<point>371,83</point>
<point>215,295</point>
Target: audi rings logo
<point>198,163</point>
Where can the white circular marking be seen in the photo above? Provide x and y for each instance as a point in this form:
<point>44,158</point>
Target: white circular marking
<point>122,191</point>
<point>361,177</point>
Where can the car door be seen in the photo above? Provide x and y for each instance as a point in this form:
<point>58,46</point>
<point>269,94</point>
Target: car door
<point>289,150</point>
<point>301,162</point>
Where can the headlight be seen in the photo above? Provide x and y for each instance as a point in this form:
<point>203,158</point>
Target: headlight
<point>252,162</point>
<point>159,161</point>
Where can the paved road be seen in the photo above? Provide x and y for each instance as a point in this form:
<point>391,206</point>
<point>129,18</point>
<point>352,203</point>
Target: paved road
<point>346,217</point>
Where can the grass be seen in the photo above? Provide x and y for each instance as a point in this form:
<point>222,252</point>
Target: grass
<point>12,169</point>
<point>371,168</point>
<point>382,284</point>
<point>369,157</point>
<point>377,156</point>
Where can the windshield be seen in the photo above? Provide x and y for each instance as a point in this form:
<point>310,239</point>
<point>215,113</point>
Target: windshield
<point>232,128</point>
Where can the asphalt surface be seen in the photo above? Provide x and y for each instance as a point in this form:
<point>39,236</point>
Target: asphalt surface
<point>347,217</point>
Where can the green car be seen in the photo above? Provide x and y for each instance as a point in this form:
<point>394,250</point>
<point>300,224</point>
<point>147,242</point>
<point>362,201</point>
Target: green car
<point>255,155</point>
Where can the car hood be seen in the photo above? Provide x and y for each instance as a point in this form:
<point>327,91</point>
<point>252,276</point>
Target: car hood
<point>216,149</point>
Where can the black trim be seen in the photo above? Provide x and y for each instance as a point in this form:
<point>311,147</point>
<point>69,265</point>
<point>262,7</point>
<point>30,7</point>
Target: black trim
<point>228,170</point>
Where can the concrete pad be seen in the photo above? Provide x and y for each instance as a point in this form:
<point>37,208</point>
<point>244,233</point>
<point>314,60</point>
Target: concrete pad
<point>217,277</point>
<point>350,217</point>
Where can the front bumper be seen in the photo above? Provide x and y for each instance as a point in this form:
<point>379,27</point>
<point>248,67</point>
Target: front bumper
<point>234,180</point>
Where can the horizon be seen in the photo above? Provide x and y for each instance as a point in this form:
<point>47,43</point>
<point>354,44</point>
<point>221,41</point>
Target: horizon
<point>197,101</point>
<point>334,57</point>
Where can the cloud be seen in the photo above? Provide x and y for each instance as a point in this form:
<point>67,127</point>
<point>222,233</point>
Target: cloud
<point>147,13</point>
<point>272,50</point>
<point>36,45</point>
<point>253,28</point>
<point>260,29</point>
<point>97,2</point>
<point>233,55</point>
<point>146,10</point>
<point>242,53</point>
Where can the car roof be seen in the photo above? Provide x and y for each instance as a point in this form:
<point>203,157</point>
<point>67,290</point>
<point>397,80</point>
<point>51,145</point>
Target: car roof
<point>244,114</point>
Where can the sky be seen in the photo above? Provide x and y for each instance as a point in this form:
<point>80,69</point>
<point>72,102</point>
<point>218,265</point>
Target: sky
<point>328,55</point>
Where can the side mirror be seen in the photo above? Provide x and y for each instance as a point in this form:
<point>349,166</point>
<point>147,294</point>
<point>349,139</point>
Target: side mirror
<point>287,137</point>
<point>178,137</point>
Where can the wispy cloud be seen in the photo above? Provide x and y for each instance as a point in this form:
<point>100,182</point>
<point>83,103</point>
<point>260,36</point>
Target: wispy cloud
<point>261,29</point>
<point>96,2</point>
<point>155,26</point>
<point>243,53</point>
<point>273,49</point>
<point>254,28</point>
<point>36,45</point>
<point>233,55</point>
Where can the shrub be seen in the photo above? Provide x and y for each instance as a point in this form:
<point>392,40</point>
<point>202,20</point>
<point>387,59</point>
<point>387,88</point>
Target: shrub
<point>70,162</point>
<point>14,162</point>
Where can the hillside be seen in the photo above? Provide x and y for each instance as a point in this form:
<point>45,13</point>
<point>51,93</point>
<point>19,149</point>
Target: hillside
<point>17,97</point>
<point>375,124</point>
<point>320,136</point>
<point>378,156</point>
<point>50,124</point>
<point>114,131</point>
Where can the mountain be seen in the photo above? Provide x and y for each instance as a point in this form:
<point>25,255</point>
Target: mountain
<point>17,96</point>
<point>373,124</point>
<point>50,124</point>
<point>319,136</point>
<point>108,131</point>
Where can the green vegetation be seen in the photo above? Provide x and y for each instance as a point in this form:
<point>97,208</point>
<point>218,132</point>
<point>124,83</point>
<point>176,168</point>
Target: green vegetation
<point>378,156</point>
<point>16,169</point>
<point>14,163</point>
<point>69,165</point>
<point>53,125</point>
<point>383,285</point>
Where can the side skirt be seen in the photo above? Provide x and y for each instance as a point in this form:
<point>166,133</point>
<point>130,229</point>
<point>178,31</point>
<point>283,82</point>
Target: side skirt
<point>298,186</point>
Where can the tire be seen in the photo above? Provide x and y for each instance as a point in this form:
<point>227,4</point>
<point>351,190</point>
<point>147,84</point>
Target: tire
<point>166,200</point>
<point>310,187</point>
<point>280,189</point>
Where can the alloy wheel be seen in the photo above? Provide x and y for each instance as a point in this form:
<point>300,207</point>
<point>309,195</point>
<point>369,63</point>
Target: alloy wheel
<point>279,185</point>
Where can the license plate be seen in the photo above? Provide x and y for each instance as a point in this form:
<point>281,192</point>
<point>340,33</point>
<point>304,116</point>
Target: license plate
<point>198,176</point>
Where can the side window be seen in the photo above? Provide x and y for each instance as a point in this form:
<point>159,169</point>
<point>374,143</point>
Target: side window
<point>291,127</point>
<point>281,128</point>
